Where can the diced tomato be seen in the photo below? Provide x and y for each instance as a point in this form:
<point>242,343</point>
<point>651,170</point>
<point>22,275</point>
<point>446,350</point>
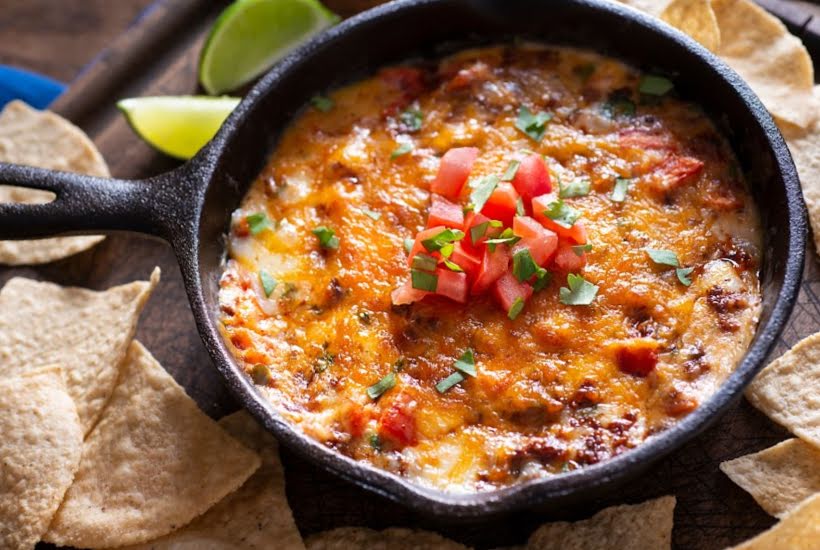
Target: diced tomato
<point>577,233</point>
<point>471,220</point>
<point>644,139</point>
<point>502,203</point>
<point>406,294</point>
<point>398,422</point>
<point>677,169</point>
<point>422,236</point>
<point>452,284</point>
<point>466,259</point>
<point>638,356</point>
<point>507,289</point>
<point>355,420</point>
<point>541,242</point>
<point>493,266</point>
<point>532,178</point>
<point>566,259</point>
<point>409,80</point>
<point>444,212</point>
<point>453,171</point>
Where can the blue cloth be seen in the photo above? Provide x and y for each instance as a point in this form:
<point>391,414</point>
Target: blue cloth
<point>36,90</point>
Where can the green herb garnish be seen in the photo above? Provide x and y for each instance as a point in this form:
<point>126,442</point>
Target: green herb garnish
<point>376,442</point>
<point>478,231</point>
<point>578,187</point>
<point>449,382</point>
<point>408,244</point>
<point>327,237</point>
<point>655,85</point>
<point>519,207</point>
<point>258,222</point>
<point>466,363</point>
<point>580,292</point>
<point>424,262</point>
<point>442,239</point>
<point>512,168</point>
<point>533,125</point>
<point>452,266</point>
<point>515,309</point>
<point>542,279</point>
<point>268,282</point>
<point>620,189</point>
<point>579,249</point>
<point>402,149</point>
<point>261,374</point>
<point>323,103</point>
<point>412,119</point>
<point>524,266</point>
<point>562,214</point>
<point>372,214</point>
<point>506,237</point>
<point>683,274</point>
<point>482,188</point>
<point>423,280</point>
<point>663,257</point>
<point>376,390</point>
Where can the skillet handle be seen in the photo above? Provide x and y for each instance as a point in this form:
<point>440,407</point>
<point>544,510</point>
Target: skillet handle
<point>88,205</point>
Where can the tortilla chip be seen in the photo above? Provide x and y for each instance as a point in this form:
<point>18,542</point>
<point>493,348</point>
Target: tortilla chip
<point>153,463</point>
<point>652,7</point>
<point>647,526</point>
<point>804,146</point>
<point>40,450</point>
<point>788,390</point>
<point>799,530</point>
<point>779,477</point>
<point>43,139</point>
<point>395,538</point>
<point>695,18</point>
<point>87,332</point>
<point>773,62</point>
<point>251,517</point>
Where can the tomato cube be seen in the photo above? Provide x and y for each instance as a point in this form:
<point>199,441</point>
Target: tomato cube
<point>507,289</point>
<point>568,260</point>
<point>444,212</point>
<point>532,178</point>
<point>471,220</point>
<point>398,422</point>
<point>541,242</point>
<point>423,236</point>
<point>637,356</point>
<point>493,266</point>
<point>406,294</point>
<point>577,233</point>
<point>502,203</point>
<point>453,171</point>
<point>452,284</point>
<point>466,259</point>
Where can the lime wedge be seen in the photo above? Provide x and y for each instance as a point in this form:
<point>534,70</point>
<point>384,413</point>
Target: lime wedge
<point>177,125</point>
<point>251,35</point>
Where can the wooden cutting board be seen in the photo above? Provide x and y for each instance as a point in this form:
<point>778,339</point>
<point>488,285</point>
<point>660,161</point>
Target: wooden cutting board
<point>158,55</point>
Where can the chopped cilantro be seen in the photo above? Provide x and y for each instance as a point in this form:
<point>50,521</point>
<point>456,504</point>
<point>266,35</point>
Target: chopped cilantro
<point>466,363</point>
<point>372,214</point>
<point>323,103</point>
<point>442,239</point>
<point>578,187</point>
<point>268,282</point>
<point>515,309</point>
<point>506,237</point>
<point>533,125</point>
<point>580,292</point>
<point>327,237</point>
<point>408,244</point>
<point>579,249</point>
<point>655,85</point>
<point>511,170</point>
<point>258,222</point>
<point>663,257</point>
<point>542,279</point>
<point>412,119</point>
<point>402,149</point>
<point>376,442</point>
<point>482,189</point>
<point>452,266</point>
<point>519,207</point>
<point>562,214</point>
<point>425,262</point>
<point>478,231</point>
<point>449,382</point>
<point>620,189</point>
<point>683,274</point>
<point>524,266</point>
<point>376,390</point>
<point>422,280</point>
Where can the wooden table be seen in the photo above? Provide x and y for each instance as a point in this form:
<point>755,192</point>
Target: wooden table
<point>157,55</point>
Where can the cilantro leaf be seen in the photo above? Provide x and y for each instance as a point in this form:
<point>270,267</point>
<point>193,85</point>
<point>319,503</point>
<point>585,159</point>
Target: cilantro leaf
<point>542,279</point>
<point>268,282</point>
<point>258,222</point>
<point>655,85</point>
<point>482,188</point>
<point>562,214</point>
<point>579,249</point>
<point>515,309</point>
<point>506,237</point>
<point>442,239</point>
<point>322,103</point>
<point>683,274</point>
<point>620,189</point>
<point>408,244</point>
<point>327,237</point>
<point>512,169</point>
<point>422,280</point>
<point>580,292</point>
<point>376,390</point>
<point>578,187</point>
<point>424,262</point>
<point>663,257</point>
<point>402,149</point>
<point>524,266</point>
<point>449,382</point>
<point>466,363</point>
<point>533,125</point>
<point>412,119</point>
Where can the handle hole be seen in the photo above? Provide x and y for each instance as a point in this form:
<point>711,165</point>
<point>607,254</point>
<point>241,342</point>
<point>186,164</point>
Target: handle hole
<point>21,195</point>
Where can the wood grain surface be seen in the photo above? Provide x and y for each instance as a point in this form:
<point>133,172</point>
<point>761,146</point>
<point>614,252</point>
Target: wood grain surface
<point>157,55</point>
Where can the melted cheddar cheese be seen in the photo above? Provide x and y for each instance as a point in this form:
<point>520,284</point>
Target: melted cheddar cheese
<point>549,394</point>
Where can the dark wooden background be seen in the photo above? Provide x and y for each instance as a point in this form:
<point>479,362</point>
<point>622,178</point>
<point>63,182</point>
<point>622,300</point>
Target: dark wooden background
<point>123,48</point>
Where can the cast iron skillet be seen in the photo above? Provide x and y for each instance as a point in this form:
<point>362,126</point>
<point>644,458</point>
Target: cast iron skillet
<point>190,207</point>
